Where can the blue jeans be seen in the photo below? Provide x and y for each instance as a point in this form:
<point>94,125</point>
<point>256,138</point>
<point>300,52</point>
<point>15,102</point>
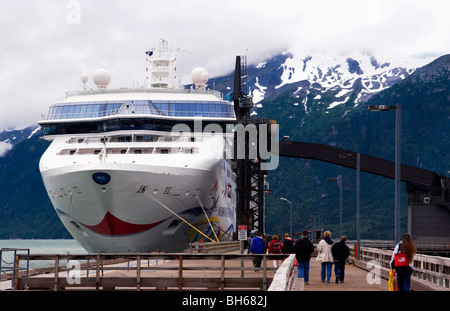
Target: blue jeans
<point>403,278</point>
<point>339,269</point>
<point>327,273</point>
<point>303,270</point>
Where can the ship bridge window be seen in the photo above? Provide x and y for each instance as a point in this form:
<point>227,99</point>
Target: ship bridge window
<point>83,110</point>
<point>139,107</point>
<point>49,129</point>
<point>142,107</point>
<point>179,108</point>
<point>208,109</point>
<point>111,125</point>
<point>101,126</point>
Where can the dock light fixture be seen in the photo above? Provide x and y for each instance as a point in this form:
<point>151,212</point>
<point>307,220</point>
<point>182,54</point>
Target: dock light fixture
<point>290,228</point>
<point>339,184</point>
<point>381,107</point>
<point>398,125</point>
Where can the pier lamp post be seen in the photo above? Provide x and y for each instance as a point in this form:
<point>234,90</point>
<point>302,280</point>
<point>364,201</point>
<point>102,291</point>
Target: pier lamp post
<point>290,223</point>
<point>339,183</point>
<point>398,125</point>
<point>358,199</point>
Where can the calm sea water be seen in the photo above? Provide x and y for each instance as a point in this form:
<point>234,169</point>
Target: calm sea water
<point>39,247</point>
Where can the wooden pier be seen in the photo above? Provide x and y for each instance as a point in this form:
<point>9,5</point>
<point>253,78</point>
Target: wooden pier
<point>199,270</point>
<point>143,271</point>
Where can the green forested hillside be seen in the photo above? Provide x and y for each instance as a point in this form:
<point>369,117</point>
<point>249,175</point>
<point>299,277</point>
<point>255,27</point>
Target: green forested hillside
<point>25,209</point>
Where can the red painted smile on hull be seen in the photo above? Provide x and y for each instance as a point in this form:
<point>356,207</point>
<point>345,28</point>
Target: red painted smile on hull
<point>111,225</point>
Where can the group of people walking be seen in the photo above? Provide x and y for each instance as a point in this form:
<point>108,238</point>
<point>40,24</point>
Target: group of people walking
<point>329,252</point>
<point>258,246</point>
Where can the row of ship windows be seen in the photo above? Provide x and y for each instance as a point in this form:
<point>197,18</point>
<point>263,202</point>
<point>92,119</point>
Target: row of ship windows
<point>122,124</point>
<point>130,138</point>
<point>155,150</point>
<point>163,108</point>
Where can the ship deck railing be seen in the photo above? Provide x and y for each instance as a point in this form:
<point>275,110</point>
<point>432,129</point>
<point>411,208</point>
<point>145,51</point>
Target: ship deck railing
<point>144,90</point>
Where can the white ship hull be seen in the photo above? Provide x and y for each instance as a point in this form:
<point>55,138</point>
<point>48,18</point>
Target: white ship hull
<point>149,202</point>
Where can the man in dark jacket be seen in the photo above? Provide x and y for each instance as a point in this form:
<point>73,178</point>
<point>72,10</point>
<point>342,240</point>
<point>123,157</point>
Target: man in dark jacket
<point>288,244</point>
<point>340,253</point>
<point>303,249</point>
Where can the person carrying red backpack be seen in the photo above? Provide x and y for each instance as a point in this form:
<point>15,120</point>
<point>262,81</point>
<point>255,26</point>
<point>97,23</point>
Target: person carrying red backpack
<point>275,247</point>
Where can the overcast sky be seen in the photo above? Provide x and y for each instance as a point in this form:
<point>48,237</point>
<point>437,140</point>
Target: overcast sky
<point>47,44</point>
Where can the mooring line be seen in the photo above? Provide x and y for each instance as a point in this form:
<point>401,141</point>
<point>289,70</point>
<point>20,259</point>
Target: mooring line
<point>206,216</point>
<point>167,208</point>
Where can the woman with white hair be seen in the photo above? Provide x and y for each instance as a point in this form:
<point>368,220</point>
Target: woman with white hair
<point>325,256</point>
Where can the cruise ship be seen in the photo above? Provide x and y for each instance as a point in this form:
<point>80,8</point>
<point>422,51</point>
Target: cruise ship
<point>142,169</point>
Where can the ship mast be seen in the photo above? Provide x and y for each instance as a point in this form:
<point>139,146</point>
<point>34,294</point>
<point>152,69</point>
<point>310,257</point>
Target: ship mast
<point>162,67</point>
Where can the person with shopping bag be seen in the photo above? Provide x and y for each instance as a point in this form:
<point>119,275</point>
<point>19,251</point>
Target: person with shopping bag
<point>403,262</point>
<point>392,283</point>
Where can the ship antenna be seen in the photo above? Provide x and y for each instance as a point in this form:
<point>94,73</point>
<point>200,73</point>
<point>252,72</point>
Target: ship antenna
<point>84,79</point>
<point>163,65</point>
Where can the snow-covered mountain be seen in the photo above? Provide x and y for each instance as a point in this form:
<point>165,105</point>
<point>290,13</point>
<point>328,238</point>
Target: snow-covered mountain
<point>10,138</point>
<point>327,79</point>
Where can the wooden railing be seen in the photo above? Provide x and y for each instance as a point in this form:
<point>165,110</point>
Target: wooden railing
<point>429,273</point>
<point>284,277</point>
<point>179,271</point>
<point>212,247</point>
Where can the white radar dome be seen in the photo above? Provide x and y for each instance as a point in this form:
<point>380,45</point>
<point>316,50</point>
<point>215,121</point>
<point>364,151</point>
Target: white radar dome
<point>84,78</point>
<point>199,76</point>
<point>102,77</point>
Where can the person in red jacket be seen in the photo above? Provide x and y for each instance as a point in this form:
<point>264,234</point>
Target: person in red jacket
<point>275,247</point>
